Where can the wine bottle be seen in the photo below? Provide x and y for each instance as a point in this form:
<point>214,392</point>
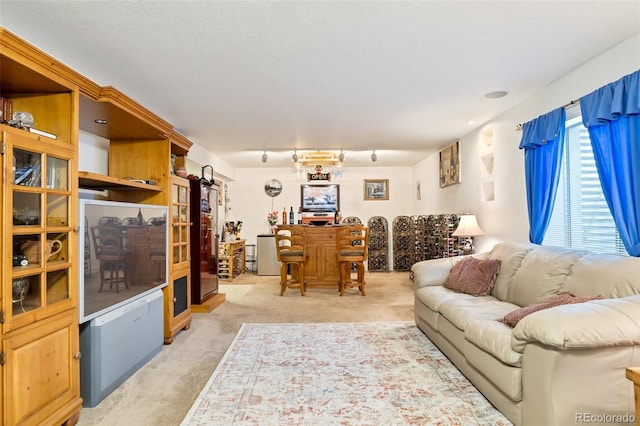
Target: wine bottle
<point>291,216</point>
<point>299,215</point>
<point>336,220</point>
<point>140,218</point>
<point>284,215</point>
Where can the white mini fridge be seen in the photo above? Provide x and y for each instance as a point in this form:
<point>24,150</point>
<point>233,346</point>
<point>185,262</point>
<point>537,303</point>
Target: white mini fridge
<point>266,255</point>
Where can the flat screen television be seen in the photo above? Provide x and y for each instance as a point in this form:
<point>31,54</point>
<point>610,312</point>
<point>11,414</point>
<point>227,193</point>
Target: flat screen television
<point>320,197</point>
<point>123,248</point>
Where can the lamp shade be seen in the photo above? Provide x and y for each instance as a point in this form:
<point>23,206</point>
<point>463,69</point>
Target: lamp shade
<point>468,227</point>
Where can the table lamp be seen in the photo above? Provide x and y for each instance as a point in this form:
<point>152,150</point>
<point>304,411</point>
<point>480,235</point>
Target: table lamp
<point>468,227</point>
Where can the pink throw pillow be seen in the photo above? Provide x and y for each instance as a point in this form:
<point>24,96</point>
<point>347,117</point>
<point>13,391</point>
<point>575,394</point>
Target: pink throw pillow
<point>473,276</point>
<point>562,298</point>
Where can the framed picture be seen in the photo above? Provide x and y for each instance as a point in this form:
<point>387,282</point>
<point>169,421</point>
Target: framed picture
<point>450,165</point>
<point>376,189</point>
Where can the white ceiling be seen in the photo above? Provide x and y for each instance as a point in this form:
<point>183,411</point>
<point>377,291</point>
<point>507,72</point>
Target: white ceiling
<point>399,77</point>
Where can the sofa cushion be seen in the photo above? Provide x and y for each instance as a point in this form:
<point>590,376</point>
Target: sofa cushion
<point>542,274</point>
<point>495,339</point>
<point>511,255</point>
<point>434,296</point>
<point>461,311</point>
<point>473,276</point>
<point>609,275</point>
<point>562,298</point>
<point>432,271</point>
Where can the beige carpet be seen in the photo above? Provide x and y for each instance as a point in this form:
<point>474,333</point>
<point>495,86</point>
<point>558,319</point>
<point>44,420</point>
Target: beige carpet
<point>356,374</point>
<point>162,391</point>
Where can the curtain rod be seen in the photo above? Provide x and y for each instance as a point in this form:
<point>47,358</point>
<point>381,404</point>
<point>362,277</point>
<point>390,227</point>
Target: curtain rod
<point>519,126</point>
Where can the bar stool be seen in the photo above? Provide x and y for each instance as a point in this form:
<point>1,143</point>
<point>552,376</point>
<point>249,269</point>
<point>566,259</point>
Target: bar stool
<point>291,249</point>
<point>352,245</point>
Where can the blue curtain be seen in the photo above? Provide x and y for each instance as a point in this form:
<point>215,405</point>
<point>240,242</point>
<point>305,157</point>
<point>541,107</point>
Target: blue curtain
<point>611,114</point>
<point>543,144</point>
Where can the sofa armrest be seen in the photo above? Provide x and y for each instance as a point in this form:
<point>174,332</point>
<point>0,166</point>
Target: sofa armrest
<point>598,323</point>
<point>432,271</point>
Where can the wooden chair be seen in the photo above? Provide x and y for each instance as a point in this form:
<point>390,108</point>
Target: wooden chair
<point>352,246</point>
<point>158,251</point>
<point>107,242</point>
<point>291,249</point>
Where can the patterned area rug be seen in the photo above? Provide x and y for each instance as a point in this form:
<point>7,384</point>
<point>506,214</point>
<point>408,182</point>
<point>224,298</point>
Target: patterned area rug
<point>338,373</point>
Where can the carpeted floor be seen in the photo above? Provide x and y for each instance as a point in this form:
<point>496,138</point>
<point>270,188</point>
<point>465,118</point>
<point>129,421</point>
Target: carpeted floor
<point>163,390</point>
<point>338,374</point>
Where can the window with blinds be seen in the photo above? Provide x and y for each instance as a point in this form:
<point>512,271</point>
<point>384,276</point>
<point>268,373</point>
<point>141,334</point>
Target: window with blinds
<point>581,218</point>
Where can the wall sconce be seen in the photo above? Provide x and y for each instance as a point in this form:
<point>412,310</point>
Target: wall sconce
<point>294,157</point>
<point>264,156</point>
<point>341,157</point>
<point>374,156</point>
<point>468,227</point>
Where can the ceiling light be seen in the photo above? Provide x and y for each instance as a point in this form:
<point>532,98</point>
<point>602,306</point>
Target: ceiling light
<point>294,157</point>
<point>470,122</point>
<point>341,157</point>
<point>264,157</point>
<point>374,157</point>
<point>497,94</point>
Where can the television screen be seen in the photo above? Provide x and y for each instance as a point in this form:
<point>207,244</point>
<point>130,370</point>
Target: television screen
<point>123,248</point>
<point>320,198</point>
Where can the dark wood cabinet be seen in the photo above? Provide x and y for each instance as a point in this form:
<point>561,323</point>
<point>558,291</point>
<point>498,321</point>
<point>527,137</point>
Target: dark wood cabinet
<point>204,241</point>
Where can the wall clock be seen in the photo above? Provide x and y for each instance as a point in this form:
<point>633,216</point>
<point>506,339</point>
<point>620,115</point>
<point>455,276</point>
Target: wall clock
<point>273,187</point>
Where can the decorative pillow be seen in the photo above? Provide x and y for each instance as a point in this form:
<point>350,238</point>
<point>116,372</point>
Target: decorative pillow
<point>473,276</point>
<point>562,298</point>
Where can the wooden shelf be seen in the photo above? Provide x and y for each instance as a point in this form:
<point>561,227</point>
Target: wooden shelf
<point>98,182</point>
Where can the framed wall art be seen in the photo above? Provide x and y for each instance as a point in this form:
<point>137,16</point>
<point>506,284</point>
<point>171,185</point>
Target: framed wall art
<point>450,165</point>
<point>376,189</point>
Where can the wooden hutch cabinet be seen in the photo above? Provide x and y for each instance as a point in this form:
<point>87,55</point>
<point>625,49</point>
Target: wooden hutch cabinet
<point>39,189</point>
<point>39,354</point>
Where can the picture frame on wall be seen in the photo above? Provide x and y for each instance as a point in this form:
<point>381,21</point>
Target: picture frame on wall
<point>450,165</point>
<point>376,189</point>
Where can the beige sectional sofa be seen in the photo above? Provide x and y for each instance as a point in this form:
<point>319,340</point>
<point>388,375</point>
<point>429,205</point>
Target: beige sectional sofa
<point>559,366</point>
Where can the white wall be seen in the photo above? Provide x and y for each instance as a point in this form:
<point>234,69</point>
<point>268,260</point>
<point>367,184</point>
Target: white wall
<point>505,218</point>
<point>250,204</point>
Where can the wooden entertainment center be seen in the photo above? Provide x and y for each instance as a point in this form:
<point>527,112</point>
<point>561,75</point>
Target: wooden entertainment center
<point>39,313</point>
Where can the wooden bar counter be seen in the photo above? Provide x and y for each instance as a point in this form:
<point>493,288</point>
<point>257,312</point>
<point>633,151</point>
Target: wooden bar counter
<point>321,267</point>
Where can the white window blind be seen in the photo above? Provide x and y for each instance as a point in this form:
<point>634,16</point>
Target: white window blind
<point>581,218</point>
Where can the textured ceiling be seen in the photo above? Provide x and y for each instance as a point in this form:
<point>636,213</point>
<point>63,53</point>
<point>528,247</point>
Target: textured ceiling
<point>399,77</point>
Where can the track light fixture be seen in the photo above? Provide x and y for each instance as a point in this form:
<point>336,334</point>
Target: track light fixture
<point>264,157</point>
<point>294,157</point>
<point>374,156</point>
<point>341,157</point>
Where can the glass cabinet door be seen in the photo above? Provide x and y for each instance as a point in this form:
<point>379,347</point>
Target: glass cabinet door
<point>180,220</point>
<point>39,205</point>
